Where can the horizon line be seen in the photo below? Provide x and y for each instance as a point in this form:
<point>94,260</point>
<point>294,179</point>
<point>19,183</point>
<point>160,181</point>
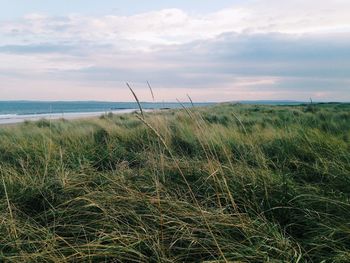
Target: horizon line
<point>217,102</point>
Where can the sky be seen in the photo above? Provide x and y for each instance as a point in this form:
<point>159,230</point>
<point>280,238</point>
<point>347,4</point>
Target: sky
<point>210,50</point>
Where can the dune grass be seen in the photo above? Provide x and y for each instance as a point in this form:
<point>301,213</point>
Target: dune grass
<point>227,183</point>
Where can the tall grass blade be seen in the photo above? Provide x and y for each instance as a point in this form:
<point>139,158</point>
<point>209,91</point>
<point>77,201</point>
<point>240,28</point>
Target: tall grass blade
<point>137,100</point>
<point>188,96</point>
<point>150,88</point>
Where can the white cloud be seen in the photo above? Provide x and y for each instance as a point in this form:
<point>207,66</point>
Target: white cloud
<point>258,49</point>
<point>171,26</point>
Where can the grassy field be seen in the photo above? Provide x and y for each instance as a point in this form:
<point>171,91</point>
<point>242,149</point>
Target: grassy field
<point>227,183</point>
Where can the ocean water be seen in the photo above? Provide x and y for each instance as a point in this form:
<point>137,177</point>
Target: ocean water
<point>59,107</point>
<point>19,111</point>
<point>45,107</point>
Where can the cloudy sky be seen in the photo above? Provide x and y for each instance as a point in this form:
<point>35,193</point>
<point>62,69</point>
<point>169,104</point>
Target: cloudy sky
<point>212,50</point>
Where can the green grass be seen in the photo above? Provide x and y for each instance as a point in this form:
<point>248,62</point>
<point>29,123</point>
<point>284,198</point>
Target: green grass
<point>225,183</point>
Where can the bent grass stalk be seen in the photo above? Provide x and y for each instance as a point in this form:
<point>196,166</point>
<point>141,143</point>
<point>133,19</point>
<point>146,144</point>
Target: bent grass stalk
<point>137,100</point>
<point>150,88</point>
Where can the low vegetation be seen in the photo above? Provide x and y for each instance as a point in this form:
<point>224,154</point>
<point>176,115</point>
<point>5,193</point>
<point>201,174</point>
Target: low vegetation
<point>227,183</point>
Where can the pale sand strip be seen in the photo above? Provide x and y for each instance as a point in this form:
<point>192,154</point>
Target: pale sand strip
<point>13,119</point>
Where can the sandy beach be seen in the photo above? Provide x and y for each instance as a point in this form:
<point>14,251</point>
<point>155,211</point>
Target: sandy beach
<point>13,118</point>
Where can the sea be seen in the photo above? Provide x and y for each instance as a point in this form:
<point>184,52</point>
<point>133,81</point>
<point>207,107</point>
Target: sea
<point>20,111</point>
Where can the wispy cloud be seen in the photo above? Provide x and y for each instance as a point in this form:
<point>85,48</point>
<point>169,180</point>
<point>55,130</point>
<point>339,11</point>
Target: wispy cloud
<point>255,50</point>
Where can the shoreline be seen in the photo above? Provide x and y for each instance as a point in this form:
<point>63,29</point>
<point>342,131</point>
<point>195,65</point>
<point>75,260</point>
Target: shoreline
<point>16,119</point>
